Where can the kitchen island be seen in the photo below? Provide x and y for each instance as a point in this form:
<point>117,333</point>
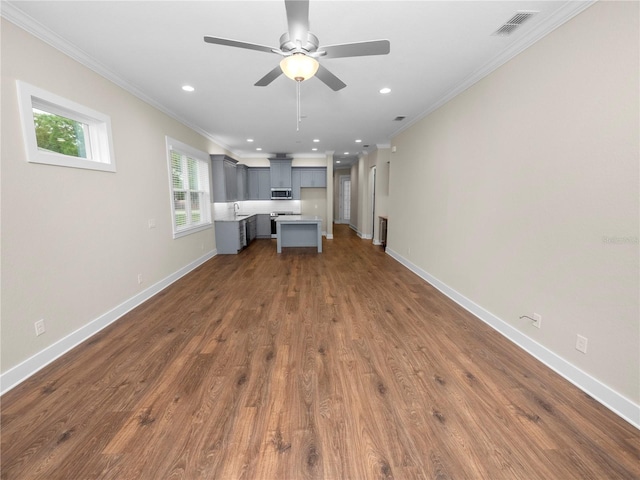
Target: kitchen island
<point>299,231</point>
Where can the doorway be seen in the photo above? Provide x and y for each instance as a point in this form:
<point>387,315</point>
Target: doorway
<point>344,200</point>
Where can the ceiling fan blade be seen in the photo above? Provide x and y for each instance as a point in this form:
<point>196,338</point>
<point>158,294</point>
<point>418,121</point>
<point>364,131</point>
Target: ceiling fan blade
<point>239,44</point>
<point>357,49</point>
<point>269,77</point>
<point>297,19</point>
<point>333,82</point>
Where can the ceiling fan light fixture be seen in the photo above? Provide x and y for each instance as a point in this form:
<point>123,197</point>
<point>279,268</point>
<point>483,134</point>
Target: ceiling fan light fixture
<point>299,67</point>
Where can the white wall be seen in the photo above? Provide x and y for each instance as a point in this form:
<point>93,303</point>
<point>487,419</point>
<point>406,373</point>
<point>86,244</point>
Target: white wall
<point>337,174</point>
<point>74,241</point>
<point>380,159</point>
<point>362,220</point>
<point>313,201</point>
<point>521,194</point>
<point>365,186</point>
<point>361,183</point>
<point>356,193</point>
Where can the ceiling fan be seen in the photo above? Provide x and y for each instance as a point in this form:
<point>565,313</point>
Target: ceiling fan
<point>300,49</point>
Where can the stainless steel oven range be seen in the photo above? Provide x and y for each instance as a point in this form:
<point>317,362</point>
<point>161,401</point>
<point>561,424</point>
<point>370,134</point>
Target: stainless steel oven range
<point>274,215</point>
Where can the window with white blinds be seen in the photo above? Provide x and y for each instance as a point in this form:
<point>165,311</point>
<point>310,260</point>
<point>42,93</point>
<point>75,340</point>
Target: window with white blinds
<point>190,193</point>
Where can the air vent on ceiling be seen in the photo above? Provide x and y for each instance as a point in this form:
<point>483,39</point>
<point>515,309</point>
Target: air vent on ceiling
<point>513,23</point>
<point>399,118</point>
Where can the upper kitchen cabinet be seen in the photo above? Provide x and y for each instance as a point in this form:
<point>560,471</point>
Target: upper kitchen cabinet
<point>259,183</point>
<point>224,182</point>
<point>280,172</point>
<point>242,177</point>
<point>295,183</point>
<point>314,177</point>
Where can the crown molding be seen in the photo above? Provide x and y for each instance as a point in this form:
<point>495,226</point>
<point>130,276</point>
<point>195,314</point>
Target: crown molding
<point>309,155</point>
<point>562,15</point>
<point>253,155</point>
<point>11,13</point>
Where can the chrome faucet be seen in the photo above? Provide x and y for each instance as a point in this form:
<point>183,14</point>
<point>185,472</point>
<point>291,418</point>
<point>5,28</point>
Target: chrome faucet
<point>236,208</point>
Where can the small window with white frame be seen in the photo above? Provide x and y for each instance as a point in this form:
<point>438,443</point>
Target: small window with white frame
<point>189,184</point>
<point>61,132</point>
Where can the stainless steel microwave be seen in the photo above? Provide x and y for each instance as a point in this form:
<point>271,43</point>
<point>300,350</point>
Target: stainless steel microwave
<point>281,194</point>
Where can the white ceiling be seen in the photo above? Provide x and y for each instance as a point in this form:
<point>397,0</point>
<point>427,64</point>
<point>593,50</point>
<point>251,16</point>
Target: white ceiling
<point>152,48</point>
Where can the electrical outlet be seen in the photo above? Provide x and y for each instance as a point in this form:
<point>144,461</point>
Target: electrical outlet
<point>40,328</point>
<point>581,344</point>
<point>537,320</point>
<point>139,279</point>
<point>152,223</point>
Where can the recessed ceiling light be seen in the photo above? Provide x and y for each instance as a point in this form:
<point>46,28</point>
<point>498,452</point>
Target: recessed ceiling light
<point>358,141</point>
<point>249,140</point>
<point>346,153</point>
<point>385,90</point>
<point>337,161</point>
<point>316,140</point>
<point>259,149</point>
<point>188,88</point>
<point>314,149</point>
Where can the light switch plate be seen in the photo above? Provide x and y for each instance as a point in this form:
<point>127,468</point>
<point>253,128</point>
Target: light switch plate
<point>581,344</point>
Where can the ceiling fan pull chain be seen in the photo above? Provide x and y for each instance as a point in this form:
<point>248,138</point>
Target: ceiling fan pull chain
<point>298,105</point>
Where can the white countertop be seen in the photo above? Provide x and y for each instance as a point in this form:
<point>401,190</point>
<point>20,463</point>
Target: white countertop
<point>231,217</point>
<point>298,218</point>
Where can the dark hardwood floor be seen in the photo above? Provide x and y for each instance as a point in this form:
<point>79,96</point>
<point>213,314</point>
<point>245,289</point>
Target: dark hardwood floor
<point>340,365</point>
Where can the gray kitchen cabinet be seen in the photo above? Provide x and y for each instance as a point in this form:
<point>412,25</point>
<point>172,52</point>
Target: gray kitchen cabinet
<point>295,183</point>
<point>264,225</point>
<point>259,183</point>
<point>224,184</point>
<point>242,177</point>
<point>280,173</point>
<point>230,236</point>
<point>313,177</point>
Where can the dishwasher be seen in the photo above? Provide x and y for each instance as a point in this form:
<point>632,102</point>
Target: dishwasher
<point>251,229</point>
<point>242,227</point>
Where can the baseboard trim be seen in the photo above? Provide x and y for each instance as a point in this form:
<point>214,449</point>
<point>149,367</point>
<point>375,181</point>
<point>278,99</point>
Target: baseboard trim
<point>363,236</point>
<point>617,403</point>
<point>18,374</point>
